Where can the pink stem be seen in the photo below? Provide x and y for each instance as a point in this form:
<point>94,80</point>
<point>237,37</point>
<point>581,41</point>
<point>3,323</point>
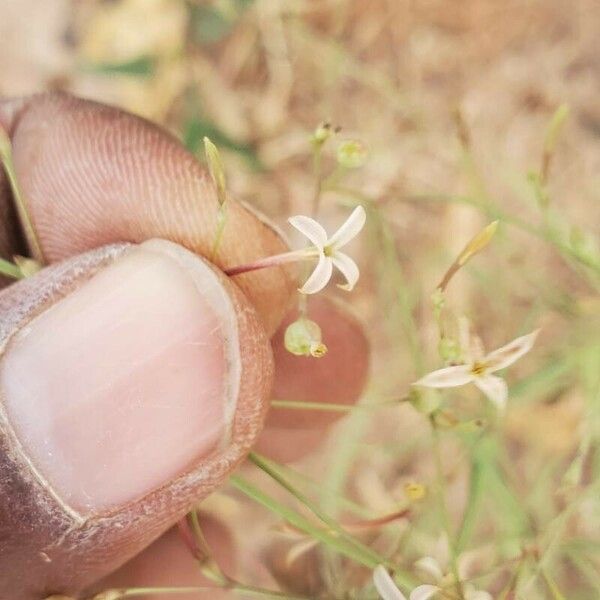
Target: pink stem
<point>271,261</point>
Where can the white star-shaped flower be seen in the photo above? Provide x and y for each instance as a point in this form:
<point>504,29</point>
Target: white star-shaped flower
<point>327,249</point>
<point>479,368</point>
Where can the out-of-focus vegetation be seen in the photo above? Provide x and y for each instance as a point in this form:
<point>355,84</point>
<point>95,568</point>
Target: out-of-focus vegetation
<point>472,111</point>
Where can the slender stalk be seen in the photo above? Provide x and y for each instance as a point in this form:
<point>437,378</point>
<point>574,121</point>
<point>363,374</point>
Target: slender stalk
<point>300,522</point>
<point>441,493</point>
<point>236,588</point>
<point>332,407</point>
<point>9,269</point>
<point>221,221</point>
<point>552,587</point>
<point>270,469</point>
<point>6,157</point>
<point>317,168</point>
<point>274,261</point>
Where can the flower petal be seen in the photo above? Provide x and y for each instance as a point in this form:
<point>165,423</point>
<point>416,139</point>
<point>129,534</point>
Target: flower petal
<point>385,585</point>
<point>348,269</point>
<point>311,229</point>
<point>507,355</point>
<point>424,592</point>
<point>478,595</point>
<point>349,229</point>
<point>494,388</point>
<point>447,377</point>
<point>430,567</point>
<point>319,277</point>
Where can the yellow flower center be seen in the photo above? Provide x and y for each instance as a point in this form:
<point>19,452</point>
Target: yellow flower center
<point>478,368</point>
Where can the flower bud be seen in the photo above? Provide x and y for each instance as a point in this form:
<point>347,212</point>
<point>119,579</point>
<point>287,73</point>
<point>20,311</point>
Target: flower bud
<point>352,154</point>
<point>216,169</point>
<point>477,244</point>
<point>449,350</point>
<point>303,338</point>
<point>322,133</point>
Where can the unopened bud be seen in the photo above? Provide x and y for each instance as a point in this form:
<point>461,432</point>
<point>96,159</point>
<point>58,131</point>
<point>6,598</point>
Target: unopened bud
<point>322,133</point>
<point>303,338</point>
<point>449,350</point>
<point>477,244</point>
<point>352,154</point>
<point>216,169</point>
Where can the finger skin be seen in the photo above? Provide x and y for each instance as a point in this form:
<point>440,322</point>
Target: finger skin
<point>94,175</point>
<point>46,547</point>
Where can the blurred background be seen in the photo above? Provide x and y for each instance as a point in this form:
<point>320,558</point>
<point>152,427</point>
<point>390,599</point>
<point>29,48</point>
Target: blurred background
<point>472,110</point>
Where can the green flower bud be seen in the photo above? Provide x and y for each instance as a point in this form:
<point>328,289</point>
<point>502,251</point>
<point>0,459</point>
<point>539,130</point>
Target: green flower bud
<point>303,338</point>
<point>449,350</point>
<point>322,133</point>
<point>216,169</point>
<point>352,154</point>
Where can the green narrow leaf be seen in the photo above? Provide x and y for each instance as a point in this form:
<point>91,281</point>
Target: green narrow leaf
<point>144,66</point>
<point>270,468</point>
<point>297,520</point>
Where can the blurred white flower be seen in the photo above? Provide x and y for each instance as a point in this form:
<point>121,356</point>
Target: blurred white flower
<point>479,368</point>
<point>388,590</point>
<point>327,249</point>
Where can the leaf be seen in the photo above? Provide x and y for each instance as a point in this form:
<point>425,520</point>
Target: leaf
<point>143,66</point>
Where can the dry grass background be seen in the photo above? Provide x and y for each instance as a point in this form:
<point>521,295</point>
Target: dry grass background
<point>258,76</point>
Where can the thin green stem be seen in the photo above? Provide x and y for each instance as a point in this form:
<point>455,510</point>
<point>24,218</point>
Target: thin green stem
<point>10,269</point>
<point>552,587</point>
<point>270,468</point>
<point>299,522</point>
<point>445,515</point>
<point>221,222</point>
<point>235,587</point>
<point>333,407</point>
<point>317,167</point>
<point>6,157</point>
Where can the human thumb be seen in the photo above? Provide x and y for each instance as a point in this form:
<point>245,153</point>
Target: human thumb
<point>133,379</point>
